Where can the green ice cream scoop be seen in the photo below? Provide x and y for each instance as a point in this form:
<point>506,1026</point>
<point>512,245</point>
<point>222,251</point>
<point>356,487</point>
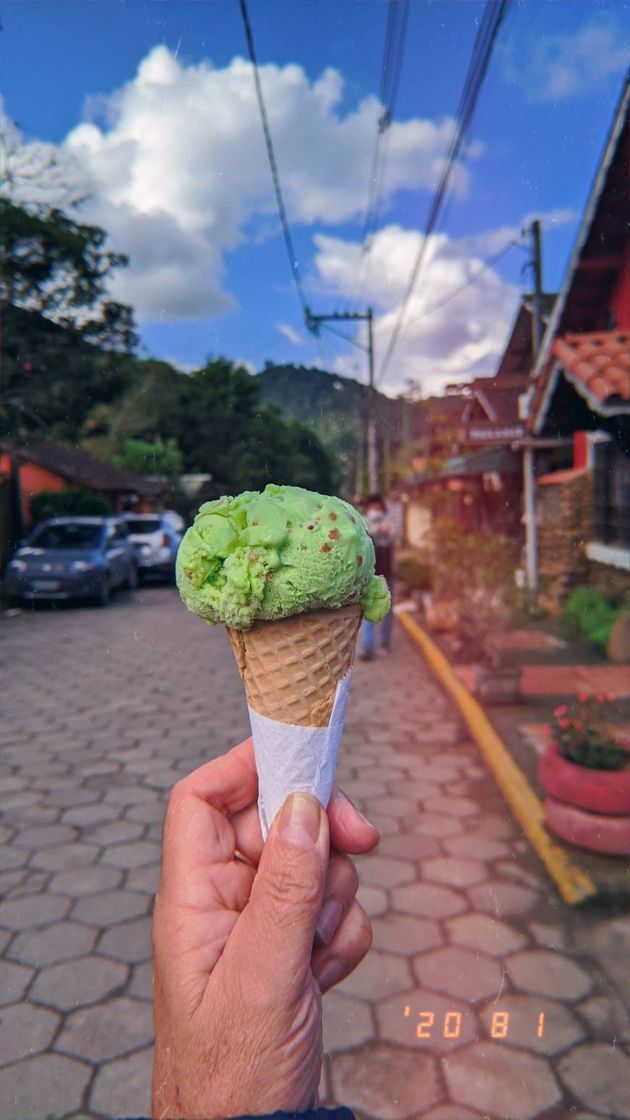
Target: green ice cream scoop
<point>278,553</point>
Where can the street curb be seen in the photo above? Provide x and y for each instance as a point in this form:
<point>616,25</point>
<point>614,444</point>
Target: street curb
<point>574,884</point>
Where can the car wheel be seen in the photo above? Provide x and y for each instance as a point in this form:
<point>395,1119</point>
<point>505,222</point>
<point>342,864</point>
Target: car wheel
<point>104,593</point>
<point>131,582</point>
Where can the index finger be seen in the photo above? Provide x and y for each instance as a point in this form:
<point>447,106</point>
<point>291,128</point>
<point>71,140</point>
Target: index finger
<point>197,831</point>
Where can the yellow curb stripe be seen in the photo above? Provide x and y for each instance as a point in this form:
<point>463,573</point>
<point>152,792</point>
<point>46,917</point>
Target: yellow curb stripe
<point>574,884</point>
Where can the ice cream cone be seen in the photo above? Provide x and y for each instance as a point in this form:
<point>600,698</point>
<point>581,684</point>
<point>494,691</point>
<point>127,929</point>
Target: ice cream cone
<point>291,668</point>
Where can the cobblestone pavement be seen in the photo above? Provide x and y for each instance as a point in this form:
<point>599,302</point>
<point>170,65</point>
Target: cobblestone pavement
<point>104,710</point>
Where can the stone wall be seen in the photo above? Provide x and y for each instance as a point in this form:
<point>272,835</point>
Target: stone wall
<point>612,583</point>
<point>564,516</point>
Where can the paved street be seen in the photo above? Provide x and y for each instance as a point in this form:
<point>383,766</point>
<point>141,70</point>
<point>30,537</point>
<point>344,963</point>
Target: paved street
<point>483,996</point>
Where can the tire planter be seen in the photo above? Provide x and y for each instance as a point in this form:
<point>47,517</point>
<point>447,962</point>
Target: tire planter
<point>599,791</point>
<point>594,831</point>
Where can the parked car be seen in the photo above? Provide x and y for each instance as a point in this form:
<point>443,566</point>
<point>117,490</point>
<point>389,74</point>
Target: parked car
<point>155,540</point>
<point>69,558</point>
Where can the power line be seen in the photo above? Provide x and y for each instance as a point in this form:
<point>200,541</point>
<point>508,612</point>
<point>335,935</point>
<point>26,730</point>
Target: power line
<point>493,16</point>
<point>393,52</point>
<point>345,337</point>
<point>286,230</point>
<point>456,291</point>
<point>391,68</point>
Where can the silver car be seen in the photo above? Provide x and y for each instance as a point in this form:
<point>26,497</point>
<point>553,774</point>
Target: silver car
<point>155,541</point>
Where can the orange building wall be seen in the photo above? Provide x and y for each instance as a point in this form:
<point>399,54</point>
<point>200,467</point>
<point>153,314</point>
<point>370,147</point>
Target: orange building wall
<point>33,480</point>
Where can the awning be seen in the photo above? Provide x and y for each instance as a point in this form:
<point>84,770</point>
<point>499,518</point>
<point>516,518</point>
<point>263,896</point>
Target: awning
<point>490,460</point>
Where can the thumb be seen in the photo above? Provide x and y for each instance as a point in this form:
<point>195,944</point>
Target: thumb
<point>279,921</point>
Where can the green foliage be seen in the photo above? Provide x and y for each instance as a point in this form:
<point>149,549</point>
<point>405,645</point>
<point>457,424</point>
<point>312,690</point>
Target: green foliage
<point>163,457</point>
<point>53,377</point>
<point>69,376</point>
<point>223,429</point>
<point>68,503</point>
<point>334,408</point>
<point>60,268</point>
<point>466,564</point>
<point>414,569</point>
<point>584,738</point>
<point>587,612</point>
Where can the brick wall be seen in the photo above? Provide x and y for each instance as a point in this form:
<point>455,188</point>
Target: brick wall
<point>564,528</point>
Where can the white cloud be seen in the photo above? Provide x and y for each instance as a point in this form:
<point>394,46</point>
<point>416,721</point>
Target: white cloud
<point>493,241</point>
<point>290,333</point>
<point>441,342</point>
<point>177,172</point>
<point>553,67</point>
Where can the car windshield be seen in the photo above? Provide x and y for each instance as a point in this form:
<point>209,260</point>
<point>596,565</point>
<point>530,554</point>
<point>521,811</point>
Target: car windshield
<point>144,525</point>
<point>70,535</point>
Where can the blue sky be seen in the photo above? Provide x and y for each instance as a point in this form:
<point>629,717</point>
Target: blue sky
<point>150,107</point>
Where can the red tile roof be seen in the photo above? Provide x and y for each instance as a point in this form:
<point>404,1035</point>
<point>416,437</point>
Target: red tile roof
<point>598,366</point>
<point>600,361</point>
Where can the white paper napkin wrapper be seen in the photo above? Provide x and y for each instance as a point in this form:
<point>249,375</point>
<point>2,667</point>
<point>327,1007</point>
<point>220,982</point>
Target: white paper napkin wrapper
<point>291,759</point>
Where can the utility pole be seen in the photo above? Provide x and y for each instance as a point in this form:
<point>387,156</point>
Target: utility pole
<point>369,423</point>
<point>529,472</point>
<point>537,332</point>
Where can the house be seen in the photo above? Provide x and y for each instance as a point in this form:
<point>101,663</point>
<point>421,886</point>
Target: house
<point>34,467</point>
<point>580,529</point>
<point>477,431</point>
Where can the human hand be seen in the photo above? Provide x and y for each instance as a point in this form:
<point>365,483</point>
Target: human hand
<point>246,939</point>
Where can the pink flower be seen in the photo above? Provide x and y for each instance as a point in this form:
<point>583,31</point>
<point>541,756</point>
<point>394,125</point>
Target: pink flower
<point>610,696</point>
<point>564,723</point>
<point>561,710</point>
<point>601,697</point>
<point>583,697</point>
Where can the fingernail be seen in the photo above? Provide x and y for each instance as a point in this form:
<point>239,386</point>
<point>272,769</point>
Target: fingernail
<point>358,812</point>
<point>300,820</point>
<point>329,918</point>
<point>331,974</point>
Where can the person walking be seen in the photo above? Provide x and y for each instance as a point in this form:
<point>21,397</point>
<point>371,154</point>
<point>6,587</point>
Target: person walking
<point>381,532</point>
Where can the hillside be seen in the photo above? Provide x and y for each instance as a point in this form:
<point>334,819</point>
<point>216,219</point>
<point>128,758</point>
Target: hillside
<point>334,407</point>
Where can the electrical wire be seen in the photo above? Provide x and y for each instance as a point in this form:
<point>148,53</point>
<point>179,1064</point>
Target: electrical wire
<point>345,337</point>
<point>391,68</point>
<point>382,332</point>
<point>275,175</point>
<point>393,52</point>
<point>493,16</point>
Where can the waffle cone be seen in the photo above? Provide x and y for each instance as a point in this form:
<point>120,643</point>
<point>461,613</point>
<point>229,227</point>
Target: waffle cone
<point>291,668</point>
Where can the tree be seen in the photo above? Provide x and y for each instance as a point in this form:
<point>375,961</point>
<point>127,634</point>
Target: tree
<point>60,268</point>
<point>52,377</point>
<point>160,458</point>
<point>224,430</point>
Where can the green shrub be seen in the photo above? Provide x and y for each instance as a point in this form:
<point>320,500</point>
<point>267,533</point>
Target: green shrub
<point>587,612</point>
<point>68,503</point>
<point>414,571</point>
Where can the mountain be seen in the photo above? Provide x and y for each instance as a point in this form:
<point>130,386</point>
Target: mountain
<point>334,407</point>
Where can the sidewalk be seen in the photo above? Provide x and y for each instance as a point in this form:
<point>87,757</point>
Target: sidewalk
<point>554,670</point>
<point>466,923</point>
<point>472,943</point>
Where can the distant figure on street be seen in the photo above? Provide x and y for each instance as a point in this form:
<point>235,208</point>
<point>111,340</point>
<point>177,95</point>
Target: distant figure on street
<point>380,530</point>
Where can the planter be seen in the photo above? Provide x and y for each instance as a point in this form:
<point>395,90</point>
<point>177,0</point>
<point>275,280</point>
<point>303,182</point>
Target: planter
<point>595,831</point>
<point>441,614</point>
<point>599,791</point>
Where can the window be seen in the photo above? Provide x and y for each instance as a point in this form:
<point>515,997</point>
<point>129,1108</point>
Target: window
<point>611,494</point>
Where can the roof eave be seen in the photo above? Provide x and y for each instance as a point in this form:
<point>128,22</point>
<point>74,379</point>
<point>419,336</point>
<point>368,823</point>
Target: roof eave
<point>584,229</point>
<point>602,408</point>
